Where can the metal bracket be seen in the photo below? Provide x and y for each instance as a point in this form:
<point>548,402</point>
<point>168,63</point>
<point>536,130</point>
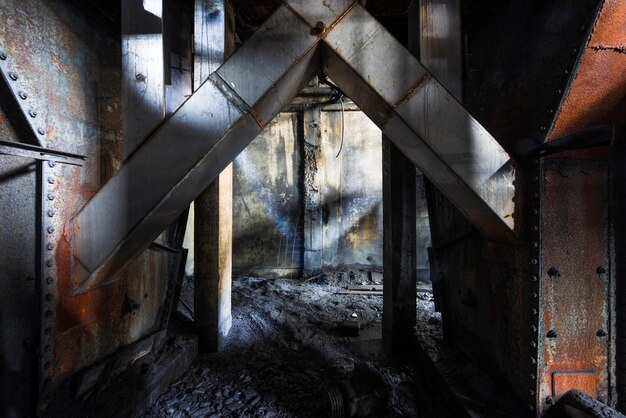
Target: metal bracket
<point>21,108</point>
<point>38,153</point>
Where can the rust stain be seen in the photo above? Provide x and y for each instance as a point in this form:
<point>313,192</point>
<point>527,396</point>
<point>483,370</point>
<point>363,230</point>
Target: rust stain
<point>597,94</point>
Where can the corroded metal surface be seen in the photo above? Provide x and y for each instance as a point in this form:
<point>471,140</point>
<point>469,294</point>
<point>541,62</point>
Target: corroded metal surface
<point>576,280</point>
<point>74,71</point>
<point>599,81</point>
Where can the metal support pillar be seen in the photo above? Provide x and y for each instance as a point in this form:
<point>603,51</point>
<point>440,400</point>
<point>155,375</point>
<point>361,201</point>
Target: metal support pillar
<point>399,255</point>
<point>213,228</point>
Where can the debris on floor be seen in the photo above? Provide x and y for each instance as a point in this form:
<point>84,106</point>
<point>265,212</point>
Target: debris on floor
<point>285,350</point>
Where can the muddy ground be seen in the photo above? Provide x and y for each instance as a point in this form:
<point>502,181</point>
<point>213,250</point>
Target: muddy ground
<point>286,346</point>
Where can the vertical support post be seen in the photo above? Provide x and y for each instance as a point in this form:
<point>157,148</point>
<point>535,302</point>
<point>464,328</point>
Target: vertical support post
<point>143,87</point>
<point>312,134</point>
<point>213,43</point>
<point>399,255</point>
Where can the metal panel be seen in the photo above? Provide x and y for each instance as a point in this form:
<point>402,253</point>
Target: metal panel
<point>28,117</point>
<point>425,122</point>
<point>576,279</point>
<point>215,125</point>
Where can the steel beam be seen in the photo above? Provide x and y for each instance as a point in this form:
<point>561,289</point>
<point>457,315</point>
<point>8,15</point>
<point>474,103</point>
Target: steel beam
<point>187,152</point>
<point>424,121</point>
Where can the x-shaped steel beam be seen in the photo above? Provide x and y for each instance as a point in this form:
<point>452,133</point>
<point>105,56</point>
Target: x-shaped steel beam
<point>303,37</point>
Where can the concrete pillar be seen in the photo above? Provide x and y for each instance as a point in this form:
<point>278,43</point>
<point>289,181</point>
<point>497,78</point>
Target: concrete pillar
<point>213,43</point>
<point>399,255</point>
<point>313,241</point>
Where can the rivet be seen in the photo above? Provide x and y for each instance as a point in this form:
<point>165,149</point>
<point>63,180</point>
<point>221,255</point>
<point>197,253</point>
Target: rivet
<point>536,195</point>
<point>535,244</point>
<point>3,56</point>
<point>51,180</point>
<point>601,333</point>
<point>51,164</point>
<point>49,280</point>
<point>46,348</point>
<point>553,272</point>
<point>532,376</point>
<point>534,311</point>
<point>48,297</point>
<point>41,131</point>
<point>600,270</point>
<point>549,400</point>
<point>48,313</point>
<point>535,295</point>
<point>22,95</point>
<point>50,263</point>
<point>533,261</point>
<point>13,76</point>
<point>533,328</point>
<point>534,278</point>
<point>536,228</point>
<point>32,113</point>
<point>50,213</point>
<point>551,333</point>
<point>47,331</point>
<point>50,196</point>
<point>531,407</point>
<point>533,360</point>
<point>140,77</point>
<point>319,28</point>
<point>50,229</point>
<point>533,344</point>
<point>532,392</point>
<point>50,246</point>
<point>535,211</point>
<point>543,128</point>
<point>574,51</point>
<point>46,365</point>
<point>559,91</point>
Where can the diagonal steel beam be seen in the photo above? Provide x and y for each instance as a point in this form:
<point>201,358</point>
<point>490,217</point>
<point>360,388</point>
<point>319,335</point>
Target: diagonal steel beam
<point>187,152</point>
<point>425,121</point>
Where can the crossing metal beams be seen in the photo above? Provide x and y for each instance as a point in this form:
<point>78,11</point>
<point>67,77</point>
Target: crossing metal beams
<point>191,148</point>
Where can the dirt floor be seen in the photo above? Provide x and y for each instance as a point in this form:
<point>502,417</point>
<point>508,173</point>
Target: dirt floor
<point>286,347</point>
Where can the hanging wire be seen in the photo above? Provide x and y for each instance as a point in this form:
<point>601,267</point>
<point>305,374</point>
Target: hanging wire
<point>342,127</point>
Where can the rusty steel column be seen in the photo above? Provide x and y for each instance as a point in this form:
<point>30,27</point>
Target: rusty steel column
<point>213,224</point>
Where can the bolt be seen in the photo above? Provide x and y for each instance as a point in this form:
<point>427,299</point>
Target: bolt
<point>3,56</point>
<point>601,333</point>
<point>32,113</point>
<point>553,272</point>
<point>549,400</point>
<point>319,28</point>
<point>41,131</point>
<point>51,180</point>
<point>551,333</point>
<point>13,76</point>
<point>50,229</point>
<point>50,196</point>
<point>50,213</point>
<point>50,246</point>
<point>600,270</point>
<point>22,95</point>
<point>140,77</point>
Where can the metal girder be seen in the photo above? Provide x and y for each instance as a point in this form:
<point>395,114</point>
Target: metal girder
<point>187,152</point>
<point>423,119</point>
